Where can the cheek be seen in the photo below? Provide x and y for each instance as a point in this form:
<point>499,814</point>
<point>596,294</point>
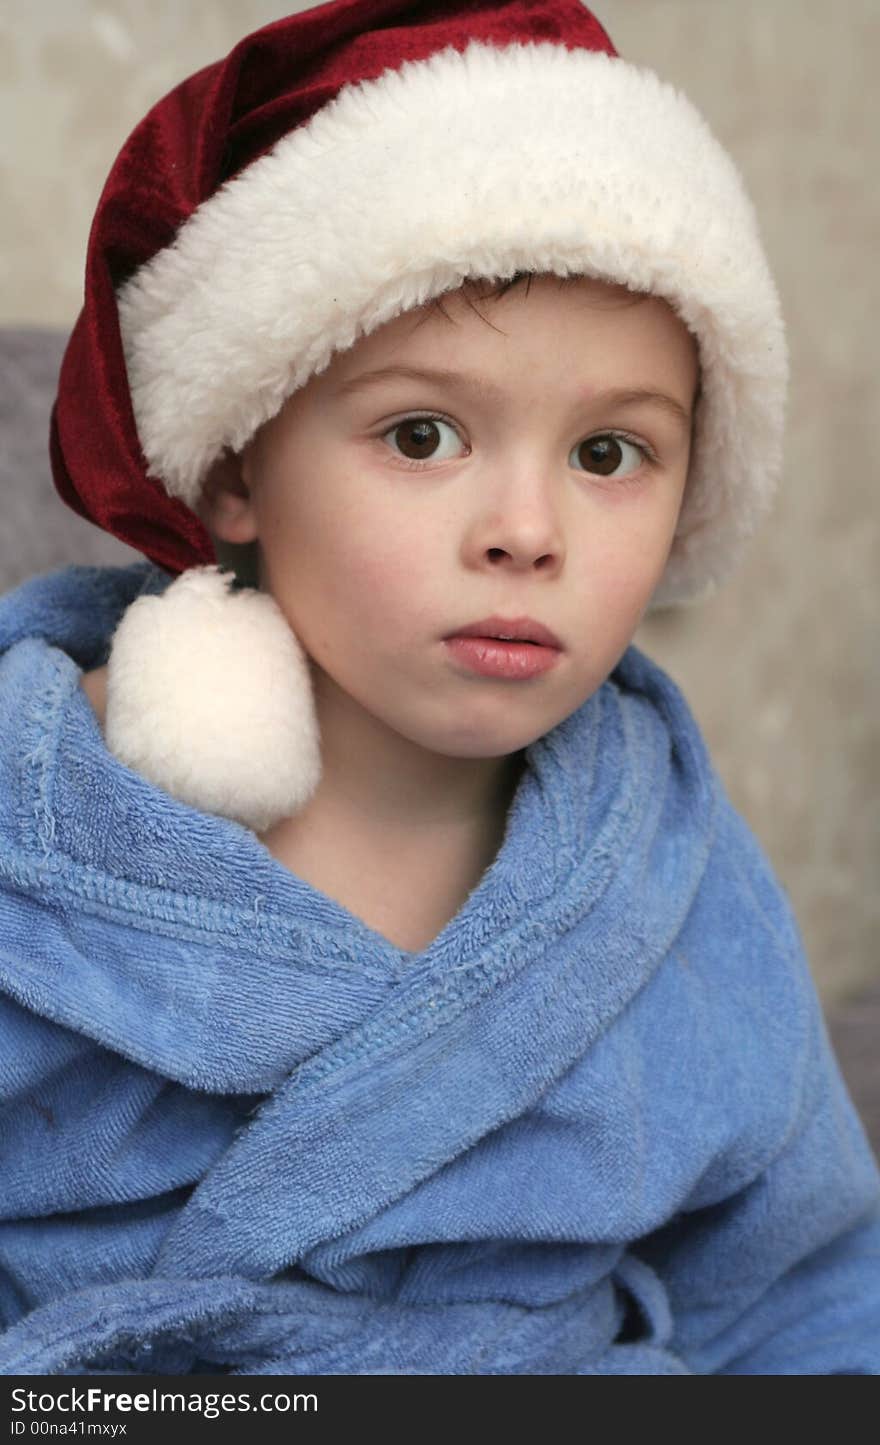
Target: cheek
<point>361,564</point>
<point>385,588</point>
<point>626,556</point>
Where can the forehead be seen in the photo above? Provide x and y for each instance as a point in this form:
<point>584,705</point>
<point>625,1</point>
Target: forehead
<point>482,298</point>
<point>552,323</point>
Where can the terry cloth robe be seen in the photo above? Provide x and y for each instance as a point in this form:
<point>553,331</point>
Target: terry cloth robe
<point>594,1128</point>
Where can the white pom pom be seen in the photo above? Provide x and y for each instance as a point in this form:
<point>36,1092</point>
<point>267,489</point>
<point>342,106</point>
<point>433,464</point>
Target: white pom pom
<point>209,697</point>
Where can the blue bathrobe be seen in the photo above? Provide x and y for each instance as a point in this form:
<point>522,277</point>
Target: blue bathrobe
<point>594,1128</point>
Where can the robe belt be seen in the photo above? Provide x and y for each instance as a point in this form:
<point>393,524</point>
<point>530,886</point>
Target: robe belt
<point>163,1326</point>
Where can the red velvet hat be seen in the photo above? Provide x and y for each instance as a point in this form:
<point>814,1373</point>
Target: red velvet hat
<point>355,160</point>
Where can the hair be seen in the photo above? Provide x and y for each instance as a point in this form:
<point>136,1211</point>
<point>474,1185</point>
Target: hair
<point>475,288</point>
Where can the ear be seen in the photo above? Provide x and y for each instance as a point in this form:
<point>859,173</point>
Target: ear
<point>225,505</point>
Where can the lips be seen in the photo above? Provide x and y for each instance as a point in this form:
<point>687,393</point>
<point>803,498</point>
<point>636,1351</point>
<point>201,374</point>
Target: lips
<point>512,629</point>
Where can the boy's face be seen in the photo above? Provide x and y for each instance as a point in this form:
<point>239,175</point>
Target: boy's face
<point>393,510</point>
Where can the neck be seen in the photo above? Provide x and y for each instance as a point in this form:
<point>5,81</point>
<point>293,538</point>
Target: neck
<point>385,777</point>
<point>397,834</point>
<point>385,795</point>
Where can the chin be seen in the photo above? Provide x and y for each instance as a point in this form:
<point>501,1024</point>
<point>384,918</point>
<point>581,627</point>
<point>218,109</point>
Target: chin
<point>486,744</point>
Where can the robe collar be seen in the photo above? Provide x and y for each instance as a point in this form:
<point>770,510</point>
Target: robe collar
<point>175,937</point>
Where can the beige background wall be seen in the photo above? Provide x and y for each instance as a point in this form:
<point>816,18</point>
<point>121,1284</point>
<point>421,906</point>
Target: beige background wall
<point>782,667</point>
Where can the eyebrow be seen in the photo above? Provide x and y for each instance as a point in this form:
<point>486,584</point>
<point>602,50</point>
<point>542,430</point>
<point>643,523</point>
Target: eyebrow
<point>615,396</point>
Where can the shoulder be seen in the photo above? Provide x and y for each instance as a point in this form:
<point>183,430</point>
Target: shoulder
<point>736,975</point>
<point>51,627</point>
<point>75,608</point>
<point>643,686</point>
<point>739,870</point>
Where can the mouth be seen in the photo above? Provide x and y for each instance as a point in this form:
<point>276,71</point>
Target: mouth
<point>507,649</point>
<point>513,629</point>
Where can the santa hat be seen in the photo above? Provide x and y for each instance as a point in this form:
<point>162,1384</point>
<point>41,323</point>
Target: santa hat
<point>354,161</point>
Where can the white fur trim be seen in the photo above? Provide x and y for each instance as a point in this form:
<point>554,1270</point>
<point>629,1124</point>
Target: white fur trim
<point>209,696</point>
<point>480,164</point>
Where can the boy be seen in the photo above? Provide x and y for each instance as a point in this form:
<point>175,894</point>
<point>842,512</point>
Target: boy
<point>392,985</point>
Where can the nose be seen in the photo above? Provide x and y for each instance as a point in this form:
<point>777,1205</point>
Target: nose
<point>519,529</point>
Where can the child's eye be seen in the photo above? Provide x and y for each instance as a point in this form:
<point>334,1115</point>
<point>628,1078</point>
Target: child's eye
<point>425,438</point>
<point>609,455</point>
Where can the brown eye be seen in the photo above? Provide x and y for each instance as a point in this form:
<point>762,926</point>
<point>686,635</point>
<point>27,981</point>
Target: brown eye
<point>417,439</point>
<point>608,455</point>
<point>425,438</point>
